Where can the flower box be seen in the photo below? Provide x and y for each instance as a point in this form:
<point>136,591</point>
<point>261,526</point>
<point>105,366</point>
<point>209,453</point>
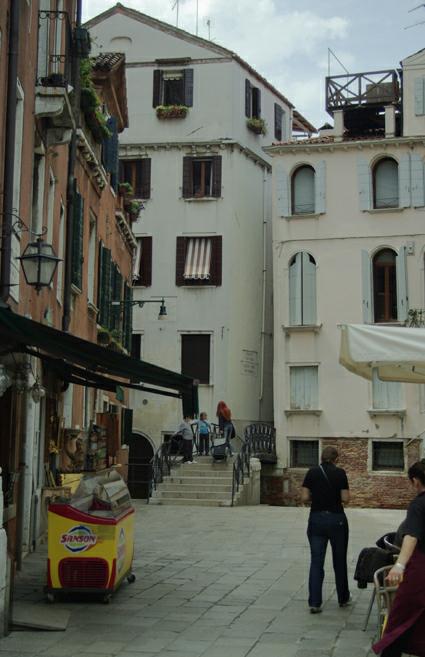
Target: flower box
<point>171,111</point>
<point>258,126</point>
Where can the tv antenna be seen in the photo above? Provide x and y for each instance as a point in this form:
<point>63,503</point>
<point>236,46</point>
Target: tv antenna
<point>331,52</point>
<point>209,28</point>
<point>197,16</point>
<point>414,9</point>
<point>176,5</point>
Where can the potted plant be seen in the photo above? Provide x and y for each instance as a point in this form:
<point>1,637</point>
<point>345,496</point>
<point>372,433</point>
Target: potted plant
<point>258,126</point>
<point>125,189</point>
<point>171,111</point>
<point>103,336</point>
<point>90,104</point>
<point>133,208</point>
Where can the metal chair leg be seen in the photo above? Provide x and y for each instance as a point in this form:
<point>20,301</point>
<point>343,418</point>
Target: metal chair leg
<point>369,610</point>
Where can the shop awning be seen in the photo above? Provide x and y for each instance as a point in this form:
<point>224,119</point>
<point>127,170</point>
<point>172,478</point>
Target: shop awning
<point>86,363</point>
<point>395,352</point>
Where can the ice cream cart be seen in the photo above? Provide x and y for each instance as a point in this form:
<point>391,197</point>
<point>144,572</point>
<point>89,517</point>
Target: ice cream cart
<point>91,538</point>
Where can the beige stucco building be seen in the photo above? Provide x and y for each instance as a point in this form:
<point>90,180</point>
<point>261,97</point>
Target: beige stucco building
<point>348,247</point>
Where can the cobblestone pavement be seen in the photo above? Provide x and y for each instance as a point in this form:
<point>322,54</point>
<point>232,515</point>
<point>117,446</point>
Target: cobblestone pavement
<point>216,582</point>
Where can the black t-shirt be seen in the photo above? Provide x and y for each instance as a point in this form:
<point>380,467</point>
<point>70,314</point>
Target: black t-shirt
<point>326,495</point>
<point>414,525</point>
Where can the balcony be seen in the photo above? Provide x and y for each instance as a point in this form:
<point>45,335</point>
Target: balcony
<point>368,90</point>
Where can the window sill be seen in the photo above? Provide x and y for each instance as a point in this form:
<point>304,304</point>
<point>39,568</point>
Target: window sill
<point>194,286</point>
<point>303,411</point>
<point>141,286</point>
<point>92,308</point>
<point>302,328</point>
<point>383,210</point>
<point>75,289</point>
<point>388,473</point>
<point>385,411</point>
<point>201,199</point>
<point>312,215</point>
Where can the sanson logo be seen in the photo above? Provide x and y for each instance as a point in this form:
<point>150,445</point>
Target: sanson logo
<point>78,539</point>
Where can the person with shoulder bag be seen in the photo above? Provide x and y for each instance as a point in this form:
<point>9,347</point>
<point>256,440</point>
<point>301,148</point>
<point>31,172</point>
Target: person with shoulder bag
<point>326,487</point>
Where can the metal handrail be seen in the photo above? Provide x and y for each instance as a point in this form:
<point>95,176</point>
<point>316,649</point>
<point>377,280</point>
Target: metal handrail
<point>55,49</point>
<point>259,439</point>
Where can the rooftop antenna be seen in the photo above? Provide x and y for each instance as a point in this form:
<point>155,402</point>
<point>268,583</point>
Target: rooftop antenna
<point>209,28</point>
<point>197,16</point>
<point>176,6</point>
<point>331,52</point>
<point>414,9</point>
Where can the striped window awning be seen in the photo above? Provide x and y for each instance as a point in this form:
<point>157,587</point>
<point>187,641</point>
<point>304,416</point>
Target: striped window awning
<point>198,259</point>
<point>137,259</point>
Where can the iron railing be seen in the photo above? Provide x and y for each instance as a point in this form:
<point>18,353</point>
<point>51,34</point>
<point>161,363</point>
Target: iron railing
<point>371,88</point>
<point>260,442</point>
<point>54,49</point>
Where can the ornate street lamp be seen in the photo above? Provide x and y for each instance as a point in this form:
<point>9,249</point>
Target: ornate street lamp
<point>39,262</point>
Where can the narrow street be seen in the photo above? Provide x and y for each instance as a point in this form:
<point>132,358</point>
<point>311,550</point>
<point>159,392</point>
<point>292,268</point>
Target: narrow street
<point>216,582</point>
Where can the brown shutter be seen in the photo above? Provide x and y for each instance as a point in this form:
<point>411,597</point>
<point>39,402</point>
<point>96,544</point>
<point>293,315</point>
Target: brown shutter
<point>248,92</point>
<point>180,259</point>
<point>146,264</point>
<point>145,184</point>
<point>216,260</point>
<point>278,113</point>
<point>157,77</point>
<point>187,177</point>
<point>216,167</point>
<point>256,102</point>
<point>196,356</point>
<point>188,87</point>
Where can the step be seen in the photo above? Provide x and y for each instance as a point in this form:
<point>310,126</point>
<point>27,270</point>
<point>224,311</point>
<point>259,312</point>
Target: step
<point>186,501</point>
<point>202,481</point>
<point>198,495</point>
<point>203,486</point>
<point>194,471</point>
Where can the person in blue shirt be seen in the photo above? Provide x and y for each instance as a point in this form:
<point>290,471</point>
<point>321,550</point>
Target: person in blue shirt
<point>204,428</point>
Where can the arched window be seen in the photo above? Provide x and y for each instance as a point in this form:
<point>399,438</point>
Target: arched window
<point>385,184</point>
<point>303,190</point>
<point>302,290</point>
<point>385,286</point>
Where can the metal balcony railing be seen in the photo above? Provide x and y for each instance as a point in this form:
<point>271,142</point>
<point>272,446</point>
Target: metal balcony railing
<point>367,89</point>
<point>54,49</point>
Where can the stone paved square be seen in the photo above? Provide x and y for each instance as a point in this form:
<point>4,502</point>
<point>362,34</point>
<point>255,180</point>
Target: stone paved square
<point>216,582</point>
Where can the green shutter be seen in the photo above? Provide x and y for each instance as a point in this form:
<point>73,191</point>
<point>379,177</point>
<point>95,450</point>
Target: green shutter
<point>104,296</point>
<point>110,152</point>
<point>77,241</point>
<point>116,286</point>
<point>127,317</point>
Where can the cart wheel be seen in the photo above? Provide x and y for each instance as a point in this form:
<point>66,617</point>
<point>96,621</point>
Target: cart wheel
<point>50,597</point>
<point>106,599</point>
<point>131,578</point>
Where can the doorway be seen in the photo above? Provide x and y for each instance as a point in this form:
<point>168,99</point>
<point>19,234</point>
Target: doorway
<point>139,465</point>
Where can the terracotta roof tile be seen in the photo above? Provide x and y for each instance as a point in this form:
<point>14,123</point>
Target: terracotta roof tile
<point>106,61</point>
<point>326,139</point>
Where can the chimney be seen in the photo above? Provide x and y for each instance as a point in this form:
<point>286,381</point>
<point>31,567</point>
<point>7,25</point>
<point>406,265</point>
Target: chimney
<point>389,121</point>
<point>339,125</point>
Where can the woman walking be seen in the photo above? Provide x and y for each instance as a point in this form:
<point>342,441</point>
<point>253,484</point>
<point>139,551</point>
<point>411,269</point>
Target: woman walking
<point>225,424</point>
<point>404,632</point>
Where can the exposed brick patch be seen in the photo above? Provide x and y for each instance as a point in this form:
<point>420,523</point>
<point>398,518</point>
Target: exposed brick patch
<point>368,490</point>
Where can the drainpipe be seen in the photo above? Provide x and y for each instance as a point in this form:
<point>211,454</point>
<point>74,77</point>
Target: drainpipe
<point>9,150</point>
<point>66,319</point>
<point>263,293</point>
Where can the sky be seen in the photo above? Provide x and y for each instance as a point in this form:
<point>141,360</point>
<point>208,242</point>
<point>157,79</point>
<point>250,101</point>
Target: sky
<point>287,41</point>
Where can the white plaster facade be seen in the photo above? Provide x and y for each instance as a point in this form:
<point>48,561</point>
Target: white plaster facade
<point>238,313</point>
<point>343,236</point>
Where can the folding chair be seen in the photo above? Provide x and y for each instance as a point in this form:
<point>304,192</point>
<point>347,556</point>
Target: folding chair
<point>384,594</point>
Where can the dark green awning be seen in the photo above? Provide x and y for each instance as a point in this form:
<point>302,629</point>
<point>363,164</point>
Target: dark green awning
<point>87,363</point>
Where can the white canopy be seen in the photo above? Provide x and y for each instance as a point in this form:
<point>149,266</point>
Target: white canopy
<point>397,353</point>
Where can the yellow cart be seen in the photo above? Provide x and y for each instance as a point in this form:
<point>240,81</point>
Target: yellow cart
<point>91,538</point>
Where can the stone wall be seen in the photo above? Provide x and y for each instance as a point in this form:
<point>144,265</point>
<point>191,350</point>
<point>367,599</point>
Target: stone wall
<point>368,489</point>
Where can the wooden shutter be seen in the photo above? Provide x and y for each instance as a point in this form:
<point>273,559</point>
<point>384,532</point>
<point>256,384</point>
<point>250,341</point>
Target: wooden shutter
<point>404,181</point>
<point>180,259</point>
<point>107,288</point>
<point>187,177</point>
<point>146,264</point>
<point>402,296</point>
<point>364,182</point>
<point>216,172</point>
<point>308,289</point>
<point>320,188</point>
<point>188,86</point>
<point>420,96</point>
<point>145,181</point>
<point>304,387</point>
<point>127,326</point>
<point>295,290</point>
<point>126,425</point>
<point>101,265</point>
<point>157,79</point>
<point>77,241</point>
<point>195,357</point>
<point>216,275</point>
<point>278,114</point>
<point>418,192</point>
<point>386,395</point>
<point>116,287</point>
<point>110,152</point>
<point>366,287</point>
<point>256,102</point>
<point>248,97</point>
<point>282,191</point>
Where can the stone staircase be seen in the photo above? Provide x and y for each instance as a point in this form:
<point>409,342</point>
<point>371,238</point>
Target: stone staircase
<point>204,483</point>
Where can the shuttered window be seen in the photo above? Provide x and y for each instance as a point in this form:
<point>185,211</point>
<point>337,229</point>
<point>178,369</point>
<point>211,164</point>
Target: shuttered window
<point>77,241</point>
<point>127,324</point>
<point>303,190</point>
<point>202,177</point>
<point>386,395</point>
<point>104,290</point>
<point>387,455</point>
<point>420,96</point>
<point>385,184</point>
<point>252,101</point>
<point>110,152</point>
<point>195,356</point>
<point>304,453</point>
<point>278,122</point>
<point>199,261</point>
<point>302,290</point>
<point>138,174</point>
<point>142,263</point>
<point>385,286</point>
<point>173,87</point>
<point>115,323</point>
<point>304,387</point>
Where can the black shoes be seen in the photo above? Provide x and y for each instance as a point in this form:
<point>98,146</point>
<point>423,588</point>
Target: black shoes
<point>315,610</point>
<point>347,603</point>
